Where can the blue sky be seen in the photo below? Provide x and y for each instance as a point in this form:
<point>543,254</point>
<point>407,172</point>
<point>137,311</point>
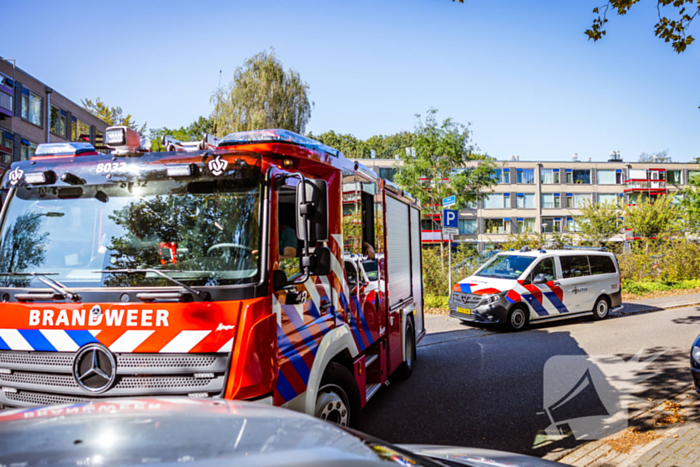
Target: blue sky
<point>522,73</point>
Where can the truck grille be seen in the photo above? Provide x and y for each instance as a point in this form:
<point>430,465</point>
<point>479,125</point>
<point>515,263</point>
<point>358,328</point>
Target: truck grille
<point>467,300</point>
<point>40,378</point>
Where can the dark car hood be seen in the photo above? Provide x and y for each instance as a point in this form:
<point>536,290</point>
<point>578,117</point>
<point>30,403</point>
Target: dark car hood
<point>477,457</point>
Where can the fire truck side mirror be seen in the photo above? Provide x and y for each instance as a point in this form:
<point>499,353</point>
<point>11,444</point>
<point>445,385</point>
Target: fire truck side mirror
<point>320,261</point>
<point>279,280</point>
<point>315,209</point>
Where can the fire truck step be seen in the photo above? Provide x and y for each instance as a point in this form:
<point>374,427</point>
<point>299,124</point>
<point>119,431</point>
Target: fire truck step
<point>371,359</point>
<point>372,389</point>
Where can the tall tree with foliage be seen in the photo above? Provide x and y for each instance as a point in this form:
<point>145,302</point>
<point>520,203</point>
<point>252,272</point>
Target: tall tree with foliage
<point>112,116</point>
<point>599,222</point>
<point>655,220</point>
<point>442,165</point>
<point>690,203</point>
<point>262,95</point>
<point>194,132</point>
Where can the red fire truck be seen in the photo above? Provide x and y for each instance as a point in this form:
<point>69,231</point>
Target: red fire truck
<point>264,266</point>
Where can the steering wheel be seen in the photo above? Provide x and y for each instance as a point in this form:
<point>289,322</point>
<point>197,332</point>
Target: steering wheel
<point>245,251</point>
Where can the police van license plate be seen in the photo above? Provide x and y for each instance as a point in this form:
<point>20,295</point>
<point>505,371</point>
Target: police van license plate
<point>464,311</point>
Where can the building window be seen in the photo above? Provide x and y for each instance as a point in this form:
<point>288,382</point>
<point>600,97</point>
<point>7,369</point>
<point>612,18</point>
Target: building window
<point>27,150</point>
<point>550,176</point>
<point>467,226</point>
<point>430,224</point>
<point>80,131</point>
<point>526,200</point>
<point>506,200</point>
<point>571,225</point>
<point>551,224</point>
<point>99,138</point>
<point>610,198</point>
<point>386,173</point>
<point>493,201</point>
<point>32,107</point>
<point>609,177</point>
<point>525,176</point>
<point>526,225</point>
<point>674,176</point>
<point>6,98</point>
<point>501,176</point>
<point>569,177</point>
<point>6,139</point>
<point>579,200</point>
<point>496,226</point>
<point>582,176</point>
<point>58,122</point>
<point>693,175</point>
<point>551,200</point>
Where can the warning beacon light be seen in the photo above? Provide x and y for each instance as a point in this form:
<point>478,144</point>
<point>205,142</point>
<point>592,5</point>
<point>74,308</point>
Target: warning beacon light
<point>123,140</point>
<point>64,150</point>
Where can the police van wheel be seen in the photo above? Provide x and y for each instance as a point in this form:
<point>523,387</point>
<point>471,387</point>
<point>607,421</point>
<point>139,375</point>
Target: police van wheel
<point>517,319</point>
<point>601,309</point>
<point>338,398</point>
<point>406,368</point>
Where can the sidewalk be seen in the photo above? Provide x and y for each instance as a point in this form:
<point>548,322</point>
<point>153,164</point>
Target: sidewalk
<point>662,303</point>
<point>668,435</point>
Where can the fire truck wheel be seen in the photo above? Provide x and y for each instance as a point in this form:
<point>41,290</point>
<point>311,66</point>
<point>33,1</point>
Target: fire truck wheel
<point>518,319</point>
<point>406,368</point>
<point>602,308</point>
<point>338,398</point>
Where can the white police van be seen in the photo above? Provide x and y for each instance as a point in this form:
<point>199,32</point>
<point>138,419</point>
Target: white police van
<point>516,288</point>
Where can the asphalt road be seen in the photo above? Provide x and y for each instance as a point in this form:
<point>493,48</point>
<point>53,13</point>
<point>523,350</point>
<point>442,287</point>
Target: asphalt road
<point>479,387</point>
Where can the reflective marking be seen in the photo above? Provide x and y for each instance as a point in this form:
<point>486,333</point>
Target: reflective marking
<point>184,342</point>
<point>60,340</point>
<point>37,340</point>
<point>227,347</point>
<point>14,339</point>
<point>128,341</point>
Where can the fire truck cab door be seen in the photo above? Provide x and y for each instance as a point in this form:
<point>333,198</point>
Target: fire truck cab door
<point>304,311</point>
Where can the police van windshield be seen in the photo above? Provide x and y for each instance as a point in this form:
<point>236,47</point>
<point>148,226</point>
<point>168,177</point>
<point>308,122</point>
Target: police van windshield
<point>505,266</point>
<point>200,232</point>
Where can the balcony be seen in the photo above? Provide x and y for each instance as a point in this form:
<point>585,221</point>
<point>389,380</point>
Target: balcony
<point>649,186</point>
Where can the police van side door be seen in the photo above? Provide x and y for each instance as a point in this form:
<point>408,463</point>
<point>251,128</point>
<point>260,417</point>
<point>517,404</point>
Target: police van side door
<point>575,282</point>
<point>546,293</point>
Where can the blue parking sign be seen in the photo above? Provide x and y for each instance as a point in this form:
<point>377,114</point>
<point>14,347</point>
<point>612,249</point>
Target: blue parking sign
<point>450,219</point>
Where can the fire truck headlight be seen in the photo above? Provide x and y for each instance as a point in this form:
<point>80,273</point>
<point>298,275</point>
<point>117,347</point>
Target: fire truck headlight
<point>180,170</point>
<point>40,178</point>
<point>115,137</point>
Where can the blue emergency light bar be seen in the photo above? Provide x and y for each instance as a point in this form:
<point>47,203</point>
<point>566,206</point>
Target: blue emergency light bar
<point>276,136</point>
<point>64,149</point>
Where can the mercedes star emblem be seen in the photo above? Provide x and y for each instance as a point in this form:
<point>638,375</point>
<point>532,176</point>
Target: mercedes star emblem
<point>94,368</point>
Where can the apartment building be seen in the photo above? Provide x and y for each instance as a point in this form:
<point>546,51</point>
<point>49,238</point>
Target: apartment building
<point>546,197</point>
<point>32,113</point>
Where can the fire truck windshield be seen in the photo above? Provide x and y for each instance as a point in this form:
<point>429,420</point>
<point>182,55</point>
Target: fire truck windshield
<point>200,232</point>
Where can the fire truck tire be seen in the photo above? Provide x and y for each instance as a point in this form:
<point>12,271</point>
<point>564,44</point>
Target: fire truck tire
<point>404,371</point>
<point>518,318</point>
<point>338,398</point>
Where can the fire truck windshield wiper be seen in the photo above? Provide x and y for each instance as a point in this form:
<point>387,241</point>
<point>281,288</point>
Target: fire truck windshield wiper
<point>197,293</point>
<point>59,288</point>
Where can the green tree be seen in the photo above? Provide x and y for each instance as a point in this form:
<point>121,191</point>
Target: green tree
<point>22,248</point>
<point>442,165</point>
<point>112,116</point>
<point>673,30</point>
<point>262,95</point>
<point>690,204</point>
<point>348,144</point>
<point>653,220</point>
<point>599,221</point>
<point>194,132</point>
